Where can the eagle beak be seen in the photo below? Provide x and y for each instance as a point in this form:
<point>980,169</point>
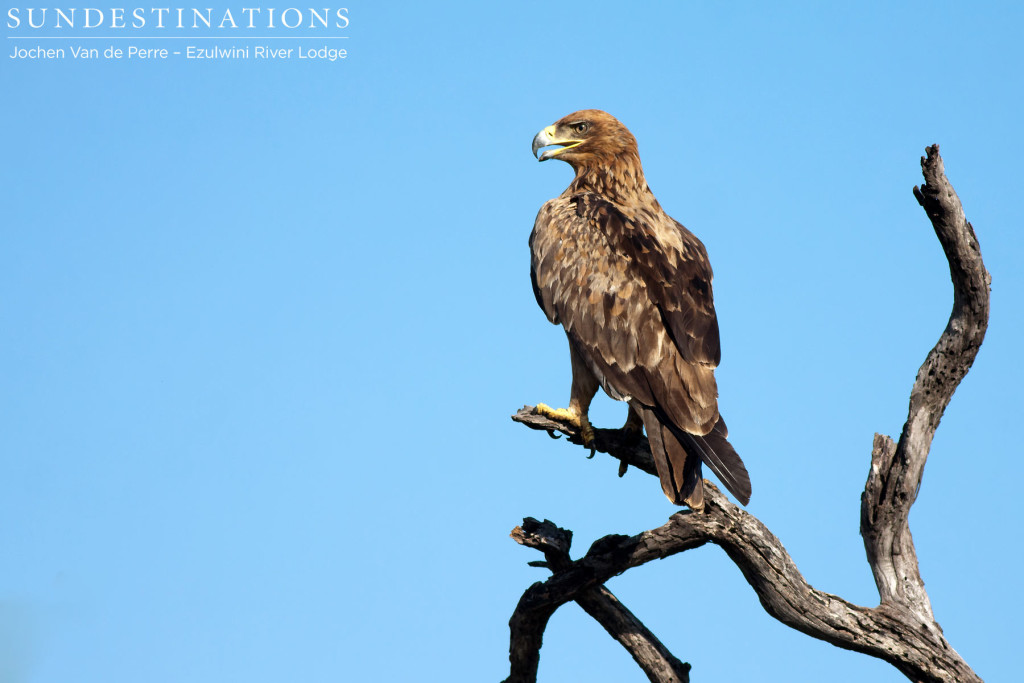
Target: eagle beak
<point>547,138</point>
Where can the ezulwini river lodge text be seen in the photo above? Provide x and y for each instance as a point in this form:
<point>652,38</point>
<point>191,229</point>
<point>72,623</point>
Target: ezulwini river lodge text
<point>321,53</point>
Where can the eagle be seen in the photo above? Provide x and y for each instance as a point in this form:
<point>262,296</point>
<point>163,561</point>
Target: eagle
<point>632,289</point>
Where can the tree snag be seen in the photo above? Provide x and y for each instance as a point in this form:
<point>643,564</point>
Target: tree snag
<point>902,629</point>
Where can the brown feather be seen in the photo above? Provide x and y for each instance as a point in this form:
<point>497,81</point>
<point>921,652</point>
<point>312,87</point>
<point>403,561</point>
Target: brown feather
<point>678,468</point>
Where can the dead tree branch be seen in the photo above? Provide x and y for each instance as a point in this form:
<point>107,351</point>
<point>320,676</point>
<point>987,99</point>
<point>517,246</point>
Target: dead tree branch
<point>896,470</point>
<point>654,658</point>
<point>901,629</point>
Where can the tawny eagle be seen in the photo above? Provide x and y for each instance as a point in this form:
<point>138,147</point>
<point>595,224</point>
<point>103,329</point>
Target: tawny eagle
<point>632,288</point>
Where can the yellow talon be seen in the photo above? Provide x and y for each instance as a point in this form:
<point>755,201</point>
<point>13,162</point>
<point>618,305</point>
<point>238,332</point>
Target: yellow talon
<point>562,414</point>
<point>572,417</point>
<point>587,433</point>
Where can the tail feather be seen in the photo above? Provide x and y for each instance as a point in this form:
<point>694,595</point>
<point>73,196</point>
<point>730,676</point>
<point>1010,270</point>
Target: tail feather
<point>678,466</point>
<point>678,454</point>
<point>716,451</point>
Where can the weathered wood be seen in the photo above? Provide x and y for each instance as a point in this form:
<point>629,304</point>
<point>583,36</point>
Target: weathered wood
<point>902,629</point>
<point>881,632</point>
<point>896,469</point>
<point>660,665</point>
<point>628,450</point>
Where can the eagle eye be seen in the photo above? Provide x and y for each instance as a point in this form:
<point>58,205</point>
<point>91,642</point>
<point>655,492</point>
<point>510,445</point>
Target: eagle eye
<point>581,127</point>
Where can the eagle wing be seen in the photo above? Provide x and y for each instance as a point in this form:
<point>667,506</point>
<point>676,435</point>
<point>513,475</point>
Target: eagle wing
<point>633,293</point>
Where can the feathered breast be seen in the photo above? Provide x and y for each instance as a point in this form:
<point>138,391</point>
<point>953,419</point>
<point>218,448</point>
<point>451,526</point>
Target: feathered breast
<point>633,293</point>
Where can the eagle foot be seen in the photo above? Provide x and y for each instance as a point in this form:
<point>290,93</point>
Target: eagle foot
<point>587,435</point>
<point>572,417</point>
<point>559,414</point>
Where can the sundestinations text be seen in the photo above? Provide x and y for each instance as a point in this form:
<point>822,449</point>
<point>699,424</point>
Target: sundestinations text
<point>56,18</point>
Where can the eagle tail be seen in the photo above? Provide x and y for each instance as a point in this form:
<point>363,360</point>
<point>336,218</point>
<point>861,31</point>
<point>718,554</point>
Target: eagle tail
<point>716,451</point>
<point>678,466</point>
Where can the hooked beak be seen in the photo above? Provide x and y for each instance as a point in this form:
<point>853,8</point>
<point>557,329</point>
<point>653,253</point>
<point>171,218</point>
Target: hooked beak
<point>547,138</point>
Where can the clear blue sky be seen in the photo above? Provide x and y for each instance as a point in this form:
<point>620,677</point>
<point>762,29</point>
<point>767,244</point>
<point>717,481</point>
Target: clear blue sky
<point>263,325</point>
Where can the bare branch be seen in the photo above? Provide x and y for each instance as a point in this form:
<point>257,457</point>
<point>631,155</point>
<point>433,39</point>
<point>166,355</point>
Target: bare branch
<point>896,470</point>
<point>660,665</point>
<point>528,621</point>
<point>611,441</point>
<point>902,629</point>
<point>771,572</point>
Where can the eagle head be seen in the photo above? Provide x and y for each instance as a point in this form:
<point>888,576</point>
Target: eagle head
<point>585,138</point>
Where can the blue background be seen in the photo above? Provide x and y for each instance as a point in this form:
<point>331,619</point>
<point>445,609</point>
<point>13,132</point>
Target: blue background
<point>263,325</point>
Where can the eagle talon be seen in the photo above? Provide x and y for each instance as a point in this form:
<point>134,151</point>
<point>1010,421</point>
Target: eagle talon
<point>587,434</point>
<point>593,452</point>
<point>558,414</point>
<point>551,433</point>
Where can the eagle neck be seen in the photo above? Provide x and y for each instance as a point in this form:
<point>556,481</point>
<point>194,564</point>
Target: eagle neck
<point>620,180</point>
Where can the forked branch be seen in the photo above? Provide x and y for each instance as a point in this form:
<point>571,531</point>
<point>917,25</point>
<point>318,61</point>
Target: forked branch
<point>901,629</point>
